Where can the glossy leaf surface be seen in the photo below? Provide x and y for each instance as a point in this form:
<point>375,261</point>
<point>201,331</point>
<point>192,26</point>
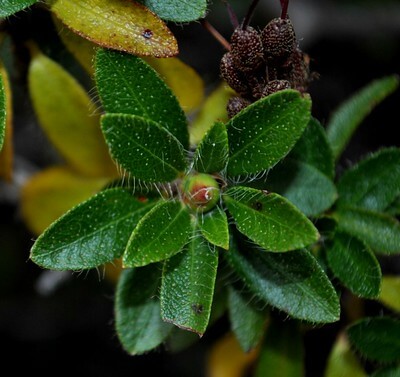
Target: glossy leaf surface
<point>269,219</point>
<point>265,131</point>
<point>188,285</point>
<point>376,338</point>
<point>355,266</point>
<point>372,184</point>
<point>160,234</point>
<point>137,310</point>
<point>214,227</point>
<point>211,154</point>
<point>119,25</point>
<point>127,85</point>
<point>9,7</point>
<point>142,147</point>
<point>292,282</point>
<point>352,112</point>
<point>92,233</point>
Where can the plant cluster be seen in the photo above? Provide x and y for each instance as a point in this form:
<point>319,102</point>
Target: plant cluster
<point>250,221</point>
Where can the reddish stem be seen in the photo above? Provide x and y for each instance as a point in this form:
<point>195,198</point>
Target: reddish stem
<point>216,34</point>
<point>249,14</point>
<point>284,5</point>
<point>232,15</point>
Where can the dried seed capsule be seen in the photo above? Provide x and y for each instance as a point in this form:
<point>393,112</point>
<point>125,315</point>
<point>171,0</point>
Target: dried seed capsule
<point>298,72</point>
<point>275,86</point>
<point>235,79</point>
<point>235,105</point>
<point>278,39</point>
<point>247,49</point>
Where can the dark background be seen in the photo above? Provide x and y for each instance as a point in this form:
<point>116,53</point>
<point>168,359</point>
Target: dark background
<point>69,329</point>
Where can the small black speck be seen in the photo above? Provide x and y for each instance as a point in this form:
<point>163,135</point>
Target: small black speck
<point>197,308</point>
<point>257,205</point>
<point>147,33</point>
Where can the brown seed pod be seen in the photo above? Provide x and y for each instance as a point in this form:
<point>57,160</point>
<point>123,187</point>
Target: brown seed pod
<point>235,79</point>
<point>275,86</point>
<point>299,72</point>
<point>235,105</point>
<point>247,49</point>
<point>278,39</point>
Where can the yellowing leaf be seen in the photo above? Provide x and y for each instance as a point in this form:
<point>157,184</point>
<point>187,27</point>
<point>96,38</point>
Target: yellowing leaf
<point>184,81</point>
<point>228,360</point>
<point>50,193</point>
<point>390,292</point>
<point>118,24</point>
<point>66,114</point>
<point>6,153</point>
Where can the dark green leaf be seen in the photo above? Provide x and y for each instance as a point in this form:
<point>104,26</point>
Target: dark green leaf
<point>377,338</point>
<point>311,191</point>
<point>137,310</point>
<point>355,266</point>
<point>93,233</point>
<point>372,184</point>
<point>379,231</point>
<point>214,227</point>
<point>2,112</point>
<point>128,85</point>
<point>293,282</point>
<point>211,154</point>
<point>177,10</point>
<point>392,371</point>
<point>282,354</point>
<point>146,150</point>
<point>269,219</point>
<point>352,112</point>
<point>266,131</point>
<point>247,318</point>
<point>313,148</point>
<point>188,285</point>
<point>9,7</point>
<point>394,207</point>
<point>160,234</point>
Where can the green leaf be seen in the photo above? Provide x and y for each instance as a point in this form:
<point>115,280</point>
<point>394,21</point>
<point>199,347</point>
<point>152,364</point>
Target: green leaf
<point>137,310</point>
<point>342,361</point>
<point>177,10</point>
<point>2,112</point>
<point>355,266</point>
<point>266,131</point>
<point>211,154</point>
<point>394,207</point>
<point>159,235</point>
<point>313,148</point>
<point>65,112</point>
<point>352,112</point>
<point>390,292</point>
<point>372,184</point>
<point>391,371</point>
<point>91,234</point>
<point>379,231</point>
<point>9,7</point>
<point>282,354</point>
<point>188,285</point>
<point>128,85</point>
<point>292,282</point>
<point>142,147</point>
<point>119,25</point>
<point>269,219</point>
<point>376,339</point>
<point>214,227</point>
<point>311,191</point>
<point>247,319</point>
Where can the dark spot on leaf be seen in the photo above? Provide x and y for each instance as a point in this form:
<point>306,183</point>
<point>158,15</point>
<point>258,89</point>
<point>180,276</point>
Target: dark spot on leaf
<point>197,308</point>
<point>147,34</point>
<point>257,206</point>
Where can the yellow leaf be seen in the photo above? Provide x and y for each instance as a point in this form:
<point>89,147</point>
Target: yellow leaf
<point>67,116</point>
<point>214,109</point>
<point>390,292</point>
<point>6,153</point>
<point>50,193</point>
<point>118,24</point>
<point>228,360</point>
<point>342,362</point>
<point>184,81</point>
